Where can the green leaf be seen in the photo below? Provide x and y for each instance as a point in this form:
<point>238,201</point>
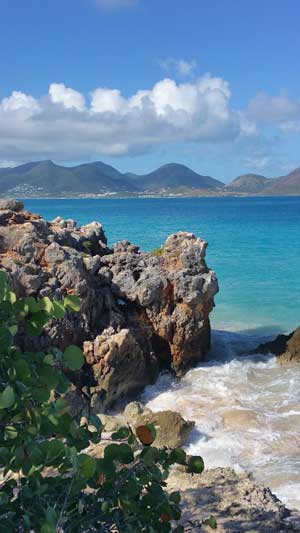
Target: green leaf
<point>211,522</point>
<point>175,497</point>
<point>105,507</point>
<point>119,452</point>
<point>49,359</point>
<point>47,528</point>
<point>10,297</point>
<point>11,432</point>
<point>32,304</point>
<point>111,452</point>
<point>178,456</point>
<point>58,309</point>
<point>13,330</point>
<point>72,302</point>
<point>195,465</point>
<point>46,304</point>
<point>22,369</point>
<point>5,339</point>
<point>87,466</point>
<point>125,454</point>
<point>122,433</point>
<point>73,358</point>
<point>7,397</point>
<point>149,455</point>
<point>3,284</point>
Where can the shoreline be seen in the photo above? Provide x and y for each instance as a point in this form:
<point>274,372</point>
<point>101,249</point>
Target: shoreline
<point>158,196</point>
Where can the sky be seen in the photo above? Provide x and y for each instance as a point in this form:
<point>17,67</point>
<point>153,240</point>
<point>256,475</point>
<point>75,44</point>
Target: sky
<point>213,84</point>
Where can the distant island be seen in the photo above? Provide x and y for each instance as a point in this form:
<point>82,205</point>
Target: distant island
<point>47,179</point>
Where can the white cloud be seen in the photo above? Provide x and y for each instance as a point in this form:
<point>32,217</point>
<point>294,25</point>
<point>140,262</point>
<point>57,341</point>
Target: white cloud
<point>181,67</point>
<point>259,163</point>
<point>60,94</point>
<point>279,110</point>
<point>62,125</point>
<point>107,100</point>
<point>7,164</point>
<point>19,103</point>
<point>115,4</point>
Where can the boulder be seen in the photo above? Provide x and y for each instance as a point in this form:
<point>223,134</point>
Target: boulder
<point>118,366</point>
<point>172,429</point>
<point>285,347</point>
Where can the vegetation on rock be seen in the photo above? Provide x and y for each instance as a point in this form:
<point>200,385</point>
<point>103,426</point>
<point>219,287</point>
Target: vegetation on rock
<point>50,483</point>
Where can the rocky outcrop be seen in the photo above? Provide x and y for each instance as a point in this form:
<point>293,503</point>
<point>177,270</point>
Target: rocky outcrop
<point>171,428</point>
<point>140,312</point>
<point>235,500</point>
<point>285,347</point>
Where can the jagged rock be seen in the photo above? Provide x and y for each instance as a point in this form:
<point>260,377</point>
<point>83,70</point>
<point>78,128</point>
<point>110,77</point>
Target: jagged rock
<point>149,311</point>
<point>119,367</point>
<point>172,429</point>
<point>285,347</point>
<point>11,205</point>
<point>173,292</point>
<point>234,499</point>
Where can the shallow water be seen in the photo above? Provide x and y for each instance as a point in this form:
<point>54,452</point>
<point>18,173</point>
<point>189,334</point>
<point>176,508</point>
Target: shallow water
<point>247,409</point>
<point>247,412</point>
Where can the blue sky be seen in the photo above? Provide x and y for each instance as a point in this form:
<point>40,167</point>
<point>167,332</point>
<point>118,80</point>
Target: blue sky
<point>138,83</point>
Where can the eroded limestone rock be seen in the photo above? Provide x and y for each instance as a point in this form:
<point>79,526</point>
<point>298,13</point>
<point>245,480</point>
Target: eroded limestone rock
<point>140,312</point>
<point>235,500</point>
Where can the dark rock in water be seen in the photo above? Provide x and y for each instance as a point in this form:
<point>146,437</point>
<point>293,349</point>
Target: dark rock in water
<point>11,205</point>
<point>140,312</point>
<point>285,347</point>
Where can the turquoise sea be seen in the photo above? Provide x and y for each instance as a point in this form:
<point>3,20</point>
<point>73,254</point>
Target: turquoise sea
<point>254,246</point>
<point>246,408</point>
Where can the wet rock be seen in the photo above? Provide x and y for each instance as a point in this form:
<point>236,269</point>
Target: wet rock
<point>285,347</point>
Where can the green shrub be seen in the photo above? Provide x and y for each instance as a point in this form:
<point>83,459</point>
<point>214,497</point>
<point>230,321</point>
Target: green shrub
<point>50,484</point>
<point>157,252</point>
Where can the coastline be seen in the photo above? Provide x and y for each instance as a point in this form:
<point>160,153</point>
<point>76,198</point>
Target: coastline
<point>151,196</point>
<point>64,230</point>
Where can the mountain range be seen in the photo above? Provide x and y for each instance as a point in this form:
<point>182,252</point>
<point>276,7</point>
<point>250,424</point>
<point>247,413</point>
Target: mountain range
<point>45,178</point>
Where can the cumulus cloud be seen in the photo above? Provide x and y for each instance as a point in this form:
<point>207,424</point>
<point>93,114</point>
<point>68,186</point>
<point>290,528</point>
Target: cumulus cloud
<point>60,94</point>
<point>181,67</point>
<point>65,125</point>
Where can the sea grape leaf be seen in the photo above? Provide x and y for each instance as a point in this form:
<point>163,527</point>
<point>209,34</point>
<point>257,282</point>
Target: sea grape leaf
<point>7,397</point>
<point>73,358</point>
<point>72,302</point>
<point>146,434</point>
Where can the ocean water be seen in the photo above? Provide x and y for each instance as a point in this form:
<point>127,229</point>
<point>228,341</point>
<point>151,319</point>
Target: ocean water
<point>247,409</point>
